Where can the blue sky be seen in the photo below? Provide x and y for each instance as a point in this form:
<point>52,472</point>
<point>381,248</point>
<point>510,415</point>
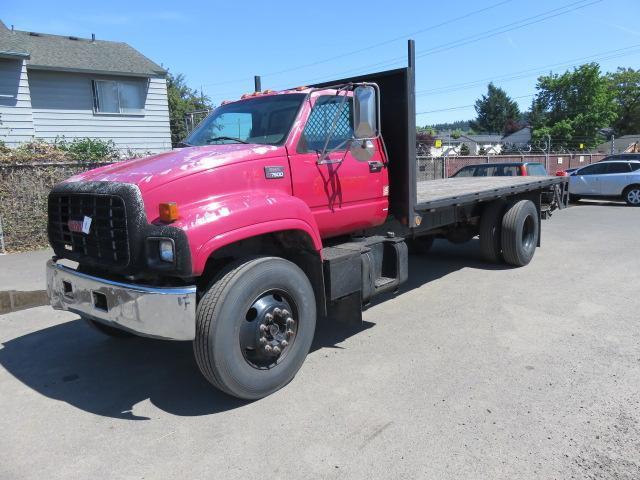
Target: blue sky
<point>461,45</point>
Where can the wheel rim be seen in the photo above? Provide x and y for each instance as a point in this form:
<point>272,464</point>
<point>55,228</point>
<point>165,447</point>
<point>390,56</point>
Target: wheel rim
<point>269,329</point>
<point>528,233</point>
<point>633,196</point>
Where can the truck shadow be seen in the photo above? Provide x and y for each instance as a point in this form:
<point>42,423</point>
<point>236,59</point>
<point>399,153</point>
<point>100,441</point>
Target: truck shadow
<point>73,363</point>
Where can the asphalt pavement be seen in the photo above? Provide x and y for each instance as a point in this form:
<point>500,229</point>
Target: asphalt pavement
<point>473,371</point>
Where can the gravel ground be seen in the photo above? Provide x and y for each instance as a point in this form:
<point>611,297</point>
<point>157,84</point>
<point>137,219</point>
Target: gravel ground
<point>473,371</point>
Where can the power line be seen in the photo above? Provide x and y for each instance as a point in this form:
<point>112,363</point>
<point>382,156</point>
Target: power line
<point>465,106</point>
<point>530,72</point>
<point>541,17</point>
<point>512,26</point>
<point>375,45</point>
<point>555,12</point>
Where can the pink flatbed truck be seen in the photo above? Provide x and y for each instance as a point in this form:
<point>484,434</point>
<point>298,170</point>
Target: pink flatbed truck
<point>280,208</point>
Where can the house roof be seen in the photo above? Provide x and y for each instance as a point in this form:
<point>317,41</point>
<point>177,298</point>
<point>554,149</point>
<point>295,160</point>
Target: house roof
<point>487,138</point>
<point>74,54</point>
<point>620,143</point>
<point>518,133</point>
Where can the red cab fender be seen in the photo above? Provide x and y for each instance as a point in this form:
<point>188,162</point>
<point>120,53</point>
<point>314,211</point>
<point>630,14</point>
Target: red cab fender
<point>246,216</point>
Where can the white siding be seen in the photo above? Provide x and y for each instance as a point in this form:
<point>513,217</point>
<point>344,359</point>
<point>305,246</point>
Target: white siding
<point>63,106</point>
<point>16,120</point>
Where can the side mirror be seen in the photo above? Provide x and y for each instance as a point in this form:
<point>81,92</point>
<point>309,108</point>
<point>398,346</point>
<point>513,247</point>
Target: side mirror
<point>365,112</point>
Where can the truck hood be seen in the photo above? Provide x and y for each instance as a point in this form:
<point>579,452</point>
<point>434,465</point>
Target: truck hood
<point>150,172</point>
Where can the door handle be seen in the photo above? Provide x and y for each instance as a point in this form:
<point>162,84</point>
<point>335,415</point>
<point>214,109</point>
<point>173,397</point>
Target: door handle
<point>375,166</point>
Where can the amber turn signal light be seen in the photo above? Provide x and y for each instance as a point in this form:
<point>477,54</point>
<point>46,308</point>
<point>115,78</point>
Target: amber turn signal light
<point>169,212</point>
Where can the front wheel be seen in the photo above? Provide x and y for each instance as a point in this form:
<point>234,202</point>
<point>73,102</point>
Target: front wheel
<point>254,327</point>
<point>631,195</point>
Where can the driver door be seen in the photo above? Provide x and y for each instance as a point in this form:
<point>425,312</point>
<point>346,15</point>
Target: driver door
<point>585,180</point>
<point>344,194</point>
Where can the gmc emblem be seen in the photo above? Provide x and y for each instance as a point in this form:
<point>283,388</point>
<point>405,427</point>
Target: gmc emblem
<point>75,226</point>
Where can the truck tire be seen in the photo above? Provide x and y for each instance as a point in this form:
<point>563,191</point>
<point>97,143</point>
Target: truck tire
<point>631,195</point>
<point>520,229</point>
<point>254,327</point>
<point>108,330</point>
<point>490,232</point>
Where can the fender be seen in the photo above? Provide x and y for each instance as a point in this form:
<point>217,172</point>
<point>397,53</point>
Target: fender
<point>228,219</point>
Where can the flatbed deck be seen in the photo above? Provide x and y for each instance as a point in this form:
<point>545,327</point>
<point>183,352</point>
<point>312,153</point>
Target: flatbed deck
<point>433,194</point>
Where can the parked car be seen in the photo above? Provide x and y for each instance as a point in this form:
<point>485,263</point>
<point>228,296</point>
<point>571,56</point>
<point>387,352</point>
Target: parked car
<point>608,158</point>
<point>616,179</point>
<point>511,169</point>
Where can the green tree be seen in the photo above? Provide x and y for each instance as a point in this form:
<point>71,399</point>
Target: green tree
<point>464,150</point>
<point>456,133</point>
<point>182,100</point>
<point>573,107</point>
<point>625,83</point>
<point>495,111</point>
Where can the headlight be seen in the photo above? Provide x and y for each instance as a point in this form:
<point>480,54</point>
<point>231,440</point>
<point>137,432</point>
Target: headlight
<point>166,251</point>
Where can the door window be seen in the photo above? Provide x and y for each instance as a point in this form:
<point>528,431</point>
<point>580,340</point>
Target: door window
<point>595,169</point>
<point>329,111</point>
<point>619,167</point>
<point>536,170</point>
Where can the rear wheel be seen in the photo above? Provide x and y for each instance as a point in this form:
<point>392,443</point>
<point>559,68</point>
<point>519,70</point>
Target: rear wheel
<point>631,195</point>
<point>490,231</point>
<point>520,228</point>
<point>108,330</point>
<point>254,327</point>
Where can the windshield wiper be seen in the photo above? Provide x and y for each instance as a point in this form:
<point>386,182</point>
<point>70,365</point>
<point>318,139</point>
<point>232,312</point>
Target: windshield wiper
<point>215,139</point>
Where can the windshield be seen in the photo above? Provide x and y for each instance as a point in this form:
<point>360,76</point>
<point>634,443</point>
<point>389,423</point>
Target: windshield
<point>263,120</point>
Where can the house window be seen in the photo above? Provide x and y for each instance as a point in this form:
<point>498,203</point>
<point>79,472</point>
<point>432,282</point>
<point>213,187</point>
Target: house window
<point>118,97</point>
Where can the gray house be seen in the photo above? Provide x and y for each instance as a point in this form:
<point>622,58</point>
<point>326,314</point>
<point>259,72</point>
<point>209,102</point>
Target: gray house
<point>53,86</point>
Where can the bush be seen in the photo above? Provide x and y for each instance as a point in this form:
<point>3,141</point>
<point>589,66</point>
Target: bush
<point>89,150</point>
<point>80,150</point>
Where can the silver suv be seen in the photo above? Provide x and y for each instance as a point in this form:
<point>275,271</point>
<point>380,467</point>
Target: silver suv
<point>609,179</point>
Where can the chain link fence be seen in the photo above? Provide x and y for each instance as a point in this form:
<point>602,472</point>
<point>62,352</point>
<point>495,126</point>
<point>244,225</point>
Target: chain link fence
<point>23,201</point>
<point>24,188</point>
<point>433,168</point>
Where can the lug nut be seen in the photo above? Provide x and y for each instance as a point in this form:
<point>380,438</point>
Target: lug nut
<point>268,317</point>
<point>277,311</point>
<point>276,350</point>
<point>289,333</point>
<point>268,348</point>
<point>263,340</point>
<point>284,343</point>
<point>285,313</point>
<point>290,322</point>
<point>263,328</point>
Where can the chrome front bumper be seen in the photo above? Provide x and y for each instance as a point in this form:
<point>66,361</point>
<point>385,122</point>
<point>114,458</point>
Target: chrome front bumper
<point>168,313</point>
